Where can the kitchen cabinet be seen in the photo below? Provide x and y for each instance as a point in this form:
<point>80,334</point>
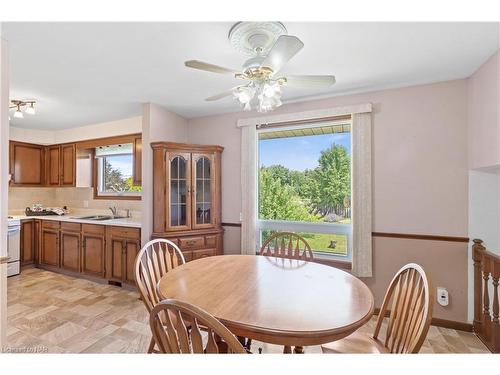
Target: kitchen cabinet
<point>60,164</point>
<point>187,196</point>
<point>93,250</point>
<point>70,239</point>
<point>123,244</point>
<point>28,235</point>
<point>137,172</point>
<point>49,244</point>
<point>26,164</point>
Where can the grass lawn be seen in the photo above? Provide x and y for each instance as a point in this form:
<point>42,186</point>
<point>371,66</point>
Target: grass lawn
<point>320,242</point>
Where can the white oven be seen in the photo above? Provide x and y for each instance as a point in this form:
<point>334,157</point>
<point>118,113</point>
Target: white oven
<point>13,246</point>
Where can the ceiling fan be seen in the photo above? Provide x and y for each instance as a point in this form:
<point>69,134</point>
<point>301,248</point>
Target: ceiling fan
<point>269,47</point>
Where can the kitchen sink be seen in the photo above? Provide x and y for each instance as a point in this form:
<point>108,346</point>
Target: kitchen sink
<point>95,217</point>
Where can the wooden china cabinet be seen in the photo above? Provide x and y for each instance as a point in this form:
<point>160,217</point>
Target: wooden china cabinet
<point>187,197</point>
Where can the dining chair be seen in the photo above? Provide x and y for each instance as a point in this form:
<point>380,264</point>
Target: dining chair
<point>287,245</point>
<point>155,259</point>
<point>168,325</point>
<point>410,295</point>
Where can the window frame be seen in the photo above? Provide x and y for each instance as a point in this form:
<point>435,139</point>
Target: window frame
<point>298,226</point>
<point>97,180</point>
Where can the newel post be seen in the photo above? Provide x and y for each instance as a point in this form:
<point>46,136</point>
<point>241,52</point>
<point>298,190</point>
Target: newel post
<point>478,251</point>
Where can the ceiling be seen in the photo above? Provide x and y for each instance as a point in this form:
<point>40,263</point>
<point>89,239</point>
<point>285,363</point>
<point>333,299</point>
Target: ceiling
<point>84,73</point>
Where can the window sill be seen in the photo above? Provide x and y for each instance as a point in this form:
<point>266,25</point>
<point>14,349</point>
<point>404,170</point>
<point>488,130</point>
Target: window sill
<point>118,197</point>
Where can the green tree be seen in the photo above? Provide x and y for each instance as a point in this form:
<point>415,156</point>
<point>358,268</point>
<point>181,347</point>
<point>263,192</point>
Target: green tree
<point>332,180</point>
<point>278,201</point>
<point>115,181</point>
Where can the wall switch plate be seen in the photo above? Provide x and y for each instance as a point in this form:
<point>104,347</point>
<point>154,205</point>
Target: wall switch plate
<point>443,297</point>
<point>85,204</point>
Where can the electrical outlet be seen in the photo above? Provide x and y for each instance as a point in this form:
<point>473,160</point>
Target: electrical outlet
<point>442,296</point>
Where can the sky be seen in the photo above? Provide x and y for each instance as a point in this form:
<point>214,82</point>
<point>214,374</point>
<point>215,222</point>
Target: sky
<point>122,163</point>
<point>299,153</point>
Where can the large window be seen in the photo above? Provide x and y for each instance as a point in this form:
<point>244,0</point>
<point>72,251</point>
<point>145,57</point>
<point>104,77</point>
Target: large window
<point>304,185</point>
<point>114,171</point>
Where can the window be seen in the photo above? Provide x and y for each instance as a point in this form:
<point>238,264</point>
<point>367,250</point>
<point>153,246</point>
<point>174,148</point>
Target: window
<point>304,185</point>
<point>114,166</point>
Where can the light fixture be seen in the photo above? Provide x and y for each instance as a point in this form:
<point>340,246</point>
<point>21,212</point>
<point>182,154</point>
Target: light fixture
<point>18,113</point>
<point>28,106</point>
<point>268,94</point>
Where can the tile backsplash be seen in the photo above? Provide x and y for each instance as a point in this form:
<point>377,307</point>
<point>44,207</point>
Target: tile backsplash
<point>74,198</point>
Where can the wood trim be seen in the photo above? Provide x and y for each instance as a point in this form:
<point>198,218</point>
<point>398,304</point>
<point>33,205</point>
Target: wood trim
<point>96,142</point>
<point>430,237</point>
<point>438,322</point>
<point>342,264</point>
<point>186,147</point>
<point>237,225</point>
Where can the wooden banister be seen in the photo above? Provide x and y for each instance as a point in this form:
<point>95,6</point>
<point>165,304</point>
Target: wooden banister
<point>486,309</point>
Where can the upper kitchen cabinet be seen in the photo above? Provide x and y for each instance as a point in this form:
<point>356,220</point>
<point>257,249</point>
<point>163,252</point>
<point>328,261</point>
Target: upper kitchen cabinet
<point>26,164</point>
<point>60,161</point>
<point>186,191</point>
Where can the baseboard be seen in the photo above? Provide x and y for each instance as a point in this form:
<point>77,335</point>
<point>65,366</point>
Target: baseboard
<point>438,322</point>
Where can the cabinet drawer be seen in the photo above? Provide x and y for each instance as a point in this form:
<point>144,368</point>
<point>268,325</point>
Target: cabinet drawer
<point>211,241</point>
<point>70,227</point>
<point>127,232</point>
<point>93,228</point>
<point>50,224</point>
<point>191,242</point>
<point>188,256</point>
<point>197,254</point>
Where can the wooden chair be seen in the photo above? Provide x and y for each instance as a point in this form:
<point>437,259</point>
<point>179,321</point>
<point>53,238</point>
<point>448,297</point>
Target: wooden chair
<point>155,259</point>
<point>167,321</point>
<point>287,245</point>
<point>409,317</point>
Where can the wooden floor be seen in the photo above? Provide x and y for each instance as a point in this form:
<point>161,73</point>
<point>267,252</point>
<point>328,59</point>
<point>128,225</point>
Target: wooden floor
<point>52,313</point>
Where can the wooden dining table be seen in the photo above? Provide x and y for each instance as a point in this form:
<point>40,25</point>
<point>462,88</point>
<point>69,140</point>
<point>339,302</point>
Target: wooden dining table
<point>274,300</point>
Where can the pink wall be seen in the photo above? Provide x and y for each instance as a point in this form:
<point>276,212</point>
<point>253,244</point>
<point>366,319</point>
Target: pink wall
<point>158,124</point>
<point>419,160</point>
<point>484,116</point>
<point>420,180</point>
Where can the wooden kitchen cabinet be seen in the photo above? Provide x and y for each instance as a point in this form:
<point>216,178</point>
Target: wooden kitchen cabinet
<point>28,235</point>
<point>49,244</point>
<point>60,165</point>
<point>93,250</point>
<point>26,164</point>
<point>137,173</point>
<point>70,239</point>
<point>123,244</point>
<point>187,196</point>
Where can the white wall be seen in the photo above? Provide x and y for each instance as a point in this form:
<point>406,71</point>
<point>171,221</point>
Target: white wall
<point>4,171</point>
<point>104,129</point>
<point>484,220</point>
<point>158,124</point>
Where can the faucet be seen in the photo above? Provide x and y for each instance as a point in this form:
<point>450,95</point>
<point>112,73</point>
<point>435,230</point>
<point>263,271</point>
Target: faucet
<point>128,213</point>
<point>113,211</point>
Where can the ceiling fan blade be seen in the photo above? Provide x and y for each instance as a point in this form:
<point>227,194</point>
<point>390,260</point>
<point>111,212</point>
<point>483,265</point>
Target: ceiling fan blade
<point>283,50</point>
<point>310,81</point>
<point>195,64</point>
<point>221,94</point>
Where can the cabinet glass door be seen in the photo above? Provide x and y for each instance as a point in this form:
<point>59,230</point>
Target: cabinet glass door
<point>203,184</point>
<point>179,202</point>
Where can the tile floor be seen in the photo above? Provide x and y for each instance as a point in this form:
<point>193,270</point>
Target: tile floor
<point>53,313</point>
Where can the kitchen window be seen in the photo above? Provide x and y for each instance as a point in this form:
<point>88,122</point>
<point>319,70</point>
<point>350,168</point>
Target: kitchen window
<point>114,172</point>
<point>304,185</point>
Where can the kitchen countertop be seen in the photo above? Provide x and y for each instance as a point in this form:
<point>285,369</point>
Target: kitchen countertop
<point>128,222</point>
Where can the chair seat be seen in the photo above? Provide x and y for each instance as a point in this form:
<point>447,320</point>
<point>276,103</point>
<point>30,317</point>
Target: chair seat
<point>356,343</point>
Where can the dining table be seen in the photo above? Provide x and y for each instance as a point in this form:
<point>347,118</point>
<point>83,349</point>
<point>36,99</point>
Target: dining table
<point>289,302</point>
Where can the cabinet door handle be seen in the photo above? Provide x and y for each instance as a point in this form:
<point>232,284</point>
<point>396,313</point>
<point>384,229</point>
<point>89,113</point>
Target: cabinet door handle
<point>190,242</point>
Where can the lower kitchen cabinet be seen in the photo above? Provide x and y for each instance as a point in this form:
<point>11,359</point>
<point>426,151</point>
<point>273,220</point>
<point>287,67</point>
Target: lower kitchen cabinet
<point>70,246</point>
<point>49,245</point>
<point>27,246</point>
<point>123,244</point>
<point>93,250</point>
